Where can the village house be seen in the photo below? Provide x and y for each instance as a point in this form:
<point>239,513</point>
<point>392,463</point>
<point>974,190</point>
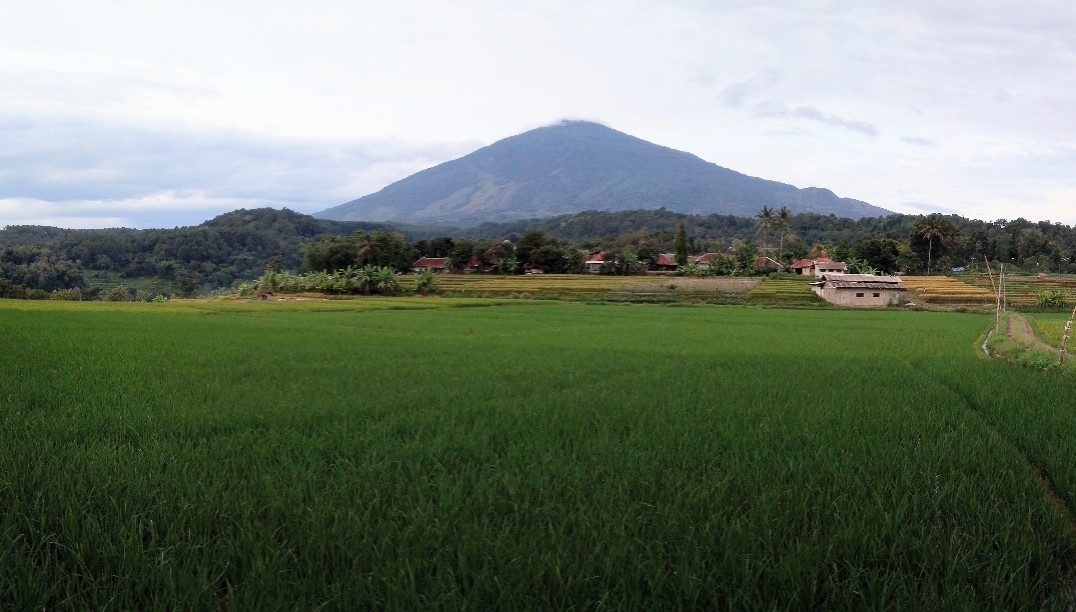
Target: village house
<point>818,266</point>
<point>594,262</point>
<point>860,289</point>
<point>767,262</point>
<point>665,262</point>
<point>703,261</point>
<point>432,264</point>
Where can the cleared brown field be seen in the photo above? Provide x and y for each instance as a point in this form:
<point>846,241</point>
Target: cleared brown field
<point>946,290</point>
<point>644,288</point>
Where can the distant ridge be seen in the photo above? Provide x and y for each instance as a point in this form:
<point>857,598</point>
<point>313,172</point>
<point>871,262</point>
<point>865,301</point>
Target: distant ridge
<point>574,166</point>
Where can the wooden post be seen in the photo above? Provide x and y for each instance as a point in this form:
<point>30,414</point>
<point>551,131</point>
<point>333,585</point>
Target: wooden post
<point>997,313</point>
<point>1004,293</point>
<point>1065,338</point>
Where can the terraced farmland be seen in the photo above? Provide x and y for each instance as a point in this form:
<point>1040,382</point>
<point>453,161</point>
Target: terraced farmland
<point>785,289</point>
<point>1024,289</point>
<point>946,290</point>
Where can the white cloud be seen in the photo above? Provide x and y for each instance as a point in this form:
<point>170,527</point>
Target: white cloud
<point>130,171</point>
<point>275,102</point>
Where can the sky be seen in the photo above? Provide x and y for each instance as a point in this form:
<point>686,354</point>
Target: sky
<point>159,113</point>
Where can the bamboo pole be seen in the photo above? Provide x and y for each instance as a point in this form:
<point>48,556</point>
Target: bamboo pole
<point>1065,338</point>
<point>1004,290</point>
<point>997,313</point>
<point>990,274</point>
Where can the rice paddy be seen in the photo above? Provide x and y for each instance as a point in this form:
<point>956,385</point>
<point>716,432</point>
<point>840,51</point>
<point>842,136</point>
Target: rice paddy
<point>947,291</point>
<point>1025,289</point>
<point>431,454</point>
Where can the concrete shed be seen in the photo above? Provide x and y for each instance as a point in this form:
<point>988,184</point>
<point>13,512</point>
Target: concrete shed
<point>860,289</point>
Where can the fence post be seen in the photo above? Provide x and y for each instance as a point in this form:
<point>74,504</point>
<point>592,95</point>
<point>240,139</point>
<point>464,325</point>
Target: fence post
<point>1065,338</point>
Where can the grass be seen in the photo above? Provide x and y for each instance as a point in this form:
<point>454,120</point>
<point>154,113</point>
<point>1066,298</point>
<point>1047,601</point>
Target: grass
<point>419,453</point>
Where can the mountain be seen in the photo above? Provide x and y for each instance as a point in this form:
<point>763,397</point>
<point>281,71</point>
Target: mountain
<point>579,165</point>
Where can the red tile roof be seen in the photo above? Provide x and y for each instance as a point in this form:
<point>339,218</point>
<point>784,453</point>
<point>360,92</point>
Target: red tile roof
<point>807,263</point>
<point>665,259</point>
<point>429,262</point>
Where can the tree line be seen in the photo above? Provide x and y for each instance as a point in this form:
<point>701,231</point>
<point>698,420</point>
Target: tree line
<point>242,245</point>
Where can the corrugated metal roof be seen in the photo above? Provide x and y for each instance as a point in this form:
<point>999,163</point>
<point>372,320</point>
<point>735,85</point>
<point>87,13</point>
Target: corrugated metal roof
<point>843,284</point>
<point>861,281</point>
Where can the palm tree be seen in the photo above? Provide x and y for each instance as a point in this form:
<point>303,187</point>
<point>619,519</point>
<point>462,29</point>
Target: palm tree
<point>784,224</point>
<point>931,229</point>
<point>765,224</point>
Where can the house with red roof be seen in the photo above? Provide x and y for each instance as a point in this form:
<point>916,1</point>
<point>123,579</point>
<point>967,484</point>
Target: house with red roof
<point>432,264</point>
<point>703,261</point>
<point>818,266</point>
<point>767,262</point>
<point>665,262</point>
<point>594,262</point>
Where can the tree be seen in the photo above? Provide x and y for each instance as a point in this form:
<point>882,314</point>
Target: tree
<point>425,282</point>
<point>841,252</point>
<point>745,257</point>
<point>329,253</point>
<point>861,266</point>
<point>932,228</point>
<point>879,253</point>
<point>784,225</point>
<point>765,224</point>
<point>529,242</point>
<point>680,244</point>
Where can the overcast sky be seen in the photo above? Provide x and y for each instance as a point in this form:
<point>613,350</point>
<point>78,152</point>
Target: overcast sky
<point>148,113</point>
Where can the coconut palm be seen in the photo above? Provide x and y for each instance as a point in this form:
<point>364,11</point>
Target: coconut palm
<point>784,225</point>
<point>766,222</point>
<point>931,229</point>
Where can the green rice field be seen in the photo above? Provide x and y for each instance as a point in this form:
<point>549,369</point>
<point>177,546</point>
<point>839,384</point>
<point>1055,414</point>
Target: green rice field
<point>1050,326</point>
<point>455,454</point>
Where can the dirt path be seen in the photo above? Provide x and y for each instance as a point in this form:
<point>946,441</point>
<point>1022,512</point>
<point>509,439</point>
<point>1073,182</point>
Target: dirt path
<point>1019,329</point>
